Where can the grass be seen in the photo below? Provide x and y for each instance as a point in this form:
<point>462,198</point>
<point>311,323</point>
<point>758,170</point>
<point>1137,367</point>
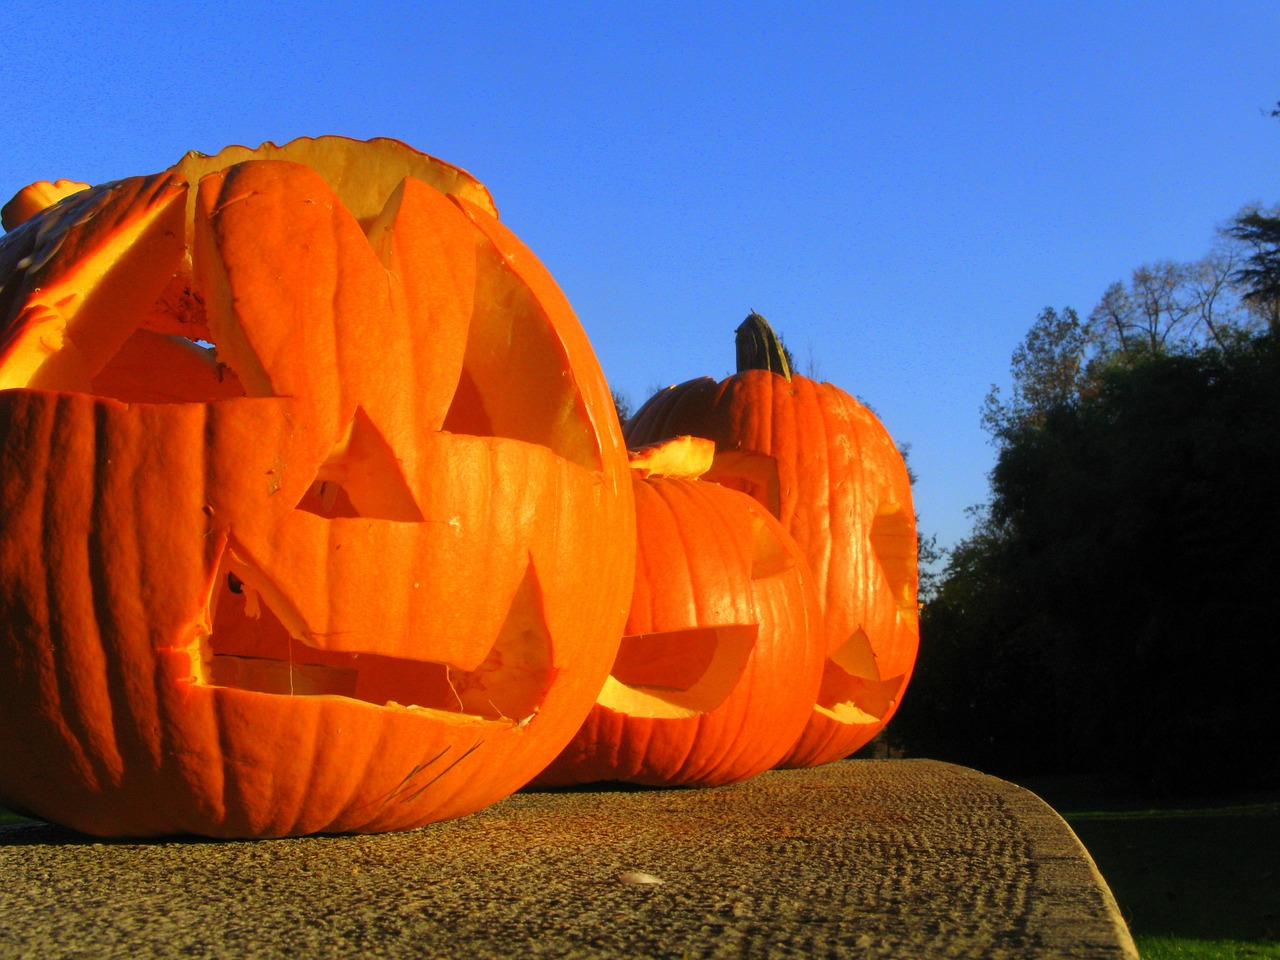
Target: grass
<point>1194,879</point>
<point>7,818</point>
<point>1184,948</point>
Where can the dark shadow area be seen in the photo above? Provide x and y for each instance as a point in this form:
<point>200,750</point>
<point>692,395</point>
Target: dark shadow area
<point>1206,868</point>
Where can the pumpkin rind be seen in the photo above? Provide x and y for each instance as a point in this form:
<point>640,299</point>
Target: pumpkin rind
<point>196,635</point>
<point>828,469</point>
<point>723,651</point>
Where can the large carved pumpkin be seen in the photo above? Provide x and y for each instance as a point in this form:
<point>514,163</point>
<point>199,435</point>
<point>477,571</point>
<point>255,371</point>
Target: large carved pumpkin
<point>314,513</point>
<point>723,652</point>
<point>827,468</point>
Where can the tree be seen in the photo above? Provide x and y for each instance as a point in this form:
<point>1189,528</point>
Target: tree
<point>622,404</point>
<point>1171,307</point>
<point>1107,612</point>
<point>1111,608</point>
<point>1259,233</point>
<point>1048,370</point>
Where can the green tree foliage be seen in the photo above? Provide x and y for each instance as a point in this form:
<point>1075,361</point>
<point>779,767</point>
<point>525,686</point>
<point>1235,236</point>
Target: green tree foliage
<point>1048,370</point>
<point>1115,605</point>
<point>1259,233</point>
<point>622,405</point>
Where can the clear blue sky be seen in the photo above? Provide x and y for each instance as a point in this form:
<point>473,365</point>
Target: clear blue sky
<point>900,187</point>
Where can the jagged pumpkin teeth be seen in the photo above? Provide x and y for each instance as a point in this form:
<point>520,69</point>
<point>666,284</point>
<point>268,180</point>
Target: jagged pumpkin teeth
<point>314,511</point>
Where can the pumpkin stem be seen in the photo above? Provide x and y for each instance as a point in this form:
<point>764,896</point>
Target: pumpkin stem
<point>759,348</point>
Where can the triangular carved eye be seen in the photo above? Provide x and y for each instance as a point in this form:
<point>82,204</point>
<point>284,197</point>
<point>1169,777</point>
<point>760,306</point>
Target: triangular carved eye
<point>769,558</point>
<point>893,539</point>
<point>361,478</point>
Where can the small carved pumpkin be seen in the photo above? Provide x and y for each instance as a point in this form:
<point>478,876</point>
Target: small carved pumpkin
<point>723,652</point>
<point>360,566</point>
<point>826,467</point>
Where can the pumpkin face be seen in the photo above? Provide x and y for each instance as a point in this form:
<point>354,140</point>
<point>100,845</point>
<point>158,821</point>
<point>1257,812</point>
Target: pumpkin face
<point>722,653</point>
<point>360,566</point>
<point>825,466</point>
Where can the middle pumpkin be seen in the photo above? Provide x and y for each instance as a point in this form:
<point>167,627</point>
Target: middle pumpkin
<point>722,652</point>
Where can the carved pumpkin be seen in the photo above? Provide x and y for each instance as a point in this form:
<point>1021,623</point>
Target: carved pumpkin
<point>723,651</point>
<point>826,467</point>
<point>360,566</point>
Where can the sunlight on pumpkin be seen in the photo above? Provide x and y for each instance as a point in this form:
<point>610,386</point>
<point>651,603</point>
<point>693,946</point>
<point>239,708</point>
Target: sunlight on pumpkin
<point>131,323</point>
<point>893,539</point>
<point>82,316</point>
<point>853,690</point>
<point>516,381</point>
<point>362,178</point>
<point>678,673</point>
<point>249,648</point>
<point>35,197</point>
<point>681,673</point>
<point>361,478</point>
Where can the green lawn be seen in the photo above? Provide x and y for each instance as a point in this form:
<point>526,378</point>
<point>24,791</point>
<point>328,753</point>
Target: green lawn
<point>7,817</point>
<point>1194,879</point>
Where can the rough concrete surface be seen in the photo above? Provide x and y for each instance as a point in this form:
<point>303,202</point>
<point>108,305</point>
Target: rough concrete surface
<point>896,858</point>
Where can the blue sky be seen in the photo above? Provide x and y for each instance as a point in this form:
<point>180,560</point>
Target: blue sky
<point>899,187</point>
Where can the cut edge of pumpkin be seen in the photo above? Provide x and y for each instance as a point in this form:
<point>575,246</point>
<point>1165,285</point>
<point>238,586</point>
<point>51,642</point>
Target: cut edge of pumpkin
<point>733,646</point>
<point>73,326</point>
<point>858,701</point>
<point>248,647</point>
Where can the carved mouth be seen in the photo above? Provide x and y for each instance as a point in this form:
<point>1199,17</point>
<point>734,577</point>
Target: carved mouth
<point>846,698</point>
<point>678,673</point>
<point>248,647</point>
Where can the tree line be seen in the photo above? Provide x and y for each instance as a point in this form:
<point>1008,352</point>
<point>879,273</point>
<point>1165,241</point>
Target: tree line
<point>1115,608</point>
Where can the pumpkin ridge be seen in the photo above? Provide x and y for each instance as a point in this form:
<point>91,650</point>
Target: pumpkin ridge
<point>155,489</point>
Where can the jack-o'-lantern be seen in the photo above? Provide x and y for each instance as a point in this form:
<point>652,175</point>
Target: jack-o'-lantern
<point>723,653</point>
<point>827,468</point>
<point>314,512</point>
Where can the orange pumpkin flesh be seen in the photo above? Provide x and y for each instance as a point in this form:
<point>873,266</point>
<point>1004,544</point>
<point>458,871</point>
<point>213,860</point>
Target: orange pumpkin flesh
<point>723,652</point>
<point>361,566</point>
<point>33,198</point>
<point>825,466</point>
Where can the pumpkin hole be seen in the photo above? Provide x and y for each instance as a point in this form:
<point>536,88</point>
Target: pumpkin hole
<point>678,673</point>
<point>248,648</point>
<point>755,474</point>
<point>849,699</point>
<point>855,656</point>
<point>153,367</point>
<point>516,378</point>
<point>361,477</point>
<point>894,542</point>
<point>769,558</point>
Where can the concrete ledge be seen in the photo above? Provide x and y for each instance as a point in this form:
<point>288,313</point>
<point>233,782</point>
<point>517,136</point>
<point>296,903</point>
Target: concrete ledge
<point>895,858</point>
